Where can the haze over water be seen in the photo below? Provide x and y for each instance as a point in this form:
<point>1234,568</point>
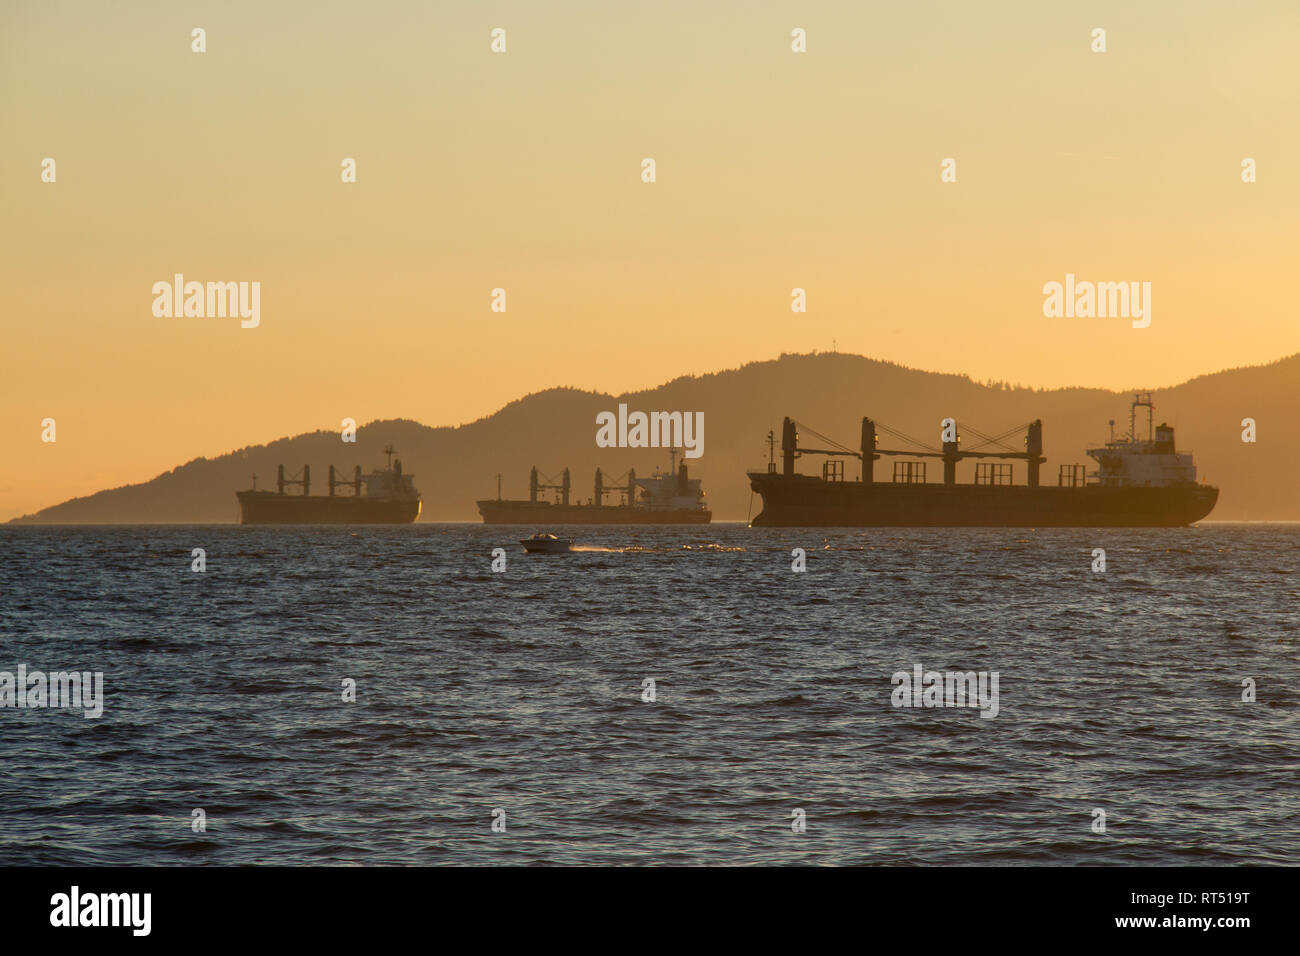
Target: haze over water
<point>522,690</point>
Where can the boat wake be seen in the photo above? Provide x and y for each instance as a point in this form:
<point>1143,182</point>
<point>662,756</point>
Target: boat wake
<point>638,549</point>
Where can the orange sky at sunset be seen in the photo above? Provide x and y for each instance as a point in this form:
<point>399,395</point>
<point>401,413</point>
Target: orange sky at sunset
<point>521,170</point>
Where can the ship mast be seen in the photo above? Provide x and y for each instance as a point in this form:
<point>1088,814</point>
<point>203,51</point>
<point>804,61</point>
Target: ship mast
<point>1140,399</point>
<point>388,450</point>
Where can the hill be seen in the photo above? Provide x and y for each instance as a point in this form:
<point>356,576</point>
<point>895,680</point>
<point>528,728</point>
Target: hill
<point>830,392</point>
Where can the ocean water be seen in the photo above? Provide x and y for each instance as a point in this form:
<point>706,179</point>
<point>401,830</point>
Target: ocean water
<point>521,691</point>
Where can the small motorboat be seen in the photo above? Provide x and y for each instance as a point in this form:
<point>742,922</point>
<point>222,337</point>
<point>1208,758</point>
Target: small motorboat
<point>547,544</point>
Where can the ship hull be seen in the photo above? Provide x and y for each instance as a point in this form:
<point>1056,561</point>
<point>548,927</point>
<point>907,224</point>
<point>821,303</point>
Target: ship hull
<point>546,513</point>
<point>805,501</point>
<point>268,507</point>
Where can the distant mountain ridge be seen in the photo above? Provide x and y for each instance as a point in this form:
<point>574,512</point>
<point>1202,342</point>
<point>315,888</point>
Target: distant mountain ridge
<point>552,429</point>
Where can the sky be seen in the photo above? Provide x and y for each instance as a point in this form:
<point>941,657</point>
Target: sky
<point>522,171</point>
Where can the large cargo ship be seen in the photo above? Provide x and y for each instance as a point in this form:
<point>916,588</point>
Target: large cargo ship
<point>671,497</point>
<point>390,498</point>
<point>1138,483</point>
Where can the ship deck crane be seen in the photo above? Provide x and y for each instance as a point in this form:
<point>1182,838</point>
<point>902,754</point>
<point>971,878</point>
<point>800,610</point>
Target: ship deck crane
<point>534,486</point>
<point>950,452</point>
<point>628,487</point>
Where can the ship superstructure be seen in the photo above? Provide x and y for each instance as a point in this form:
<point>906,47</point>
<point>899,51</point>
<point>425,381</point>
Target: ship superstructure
<point>1152,462</point>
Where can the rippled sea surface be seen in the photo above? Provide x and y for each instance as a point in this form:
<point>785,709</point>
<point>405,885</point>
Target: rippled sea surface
<point>521,691</point>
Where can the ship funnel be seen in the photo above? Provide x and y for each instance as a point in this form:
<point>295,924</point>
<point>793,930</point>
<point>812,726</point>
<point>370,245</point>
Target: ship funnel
<point>1164,439</point>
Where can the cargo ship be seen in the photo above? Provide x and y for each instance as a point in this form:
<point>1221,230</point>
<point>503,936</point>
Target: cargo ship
<point>390,498</point>
<point>1138,483</point>
<point>671,497</point>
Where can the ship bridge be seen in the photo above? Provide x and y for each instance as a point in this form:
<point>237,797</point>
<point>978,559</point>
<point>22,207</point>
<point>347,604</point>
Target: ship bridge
<point>1153,462</point>
<point>390,483</point>
<point>673,490</point>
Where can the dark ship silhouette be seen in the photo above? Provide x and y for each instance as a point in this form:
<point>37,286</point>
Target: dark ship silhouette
<point>671,497</point>
<point>390,498</point>
<point>1138,483</point>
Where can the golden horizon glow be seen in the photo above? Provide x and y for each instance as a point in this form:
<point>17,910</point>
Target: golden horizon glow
<point>522,171</point>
